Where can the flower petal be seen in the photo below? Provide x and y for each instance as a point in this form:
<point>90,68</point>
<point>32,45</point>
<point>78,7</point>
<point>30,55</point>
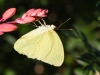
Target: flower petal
<point>40,13</point>
<point>28,13</point>
<point>25,20</point>
<point>7,27</point>
<point>43,13</point>
<point>1,33</point>
<point>8,13</point>
<point>36,12</point>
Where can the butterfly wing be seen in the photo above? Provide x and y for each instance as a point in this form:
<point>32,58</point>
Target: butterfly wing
<point>56,55</point>
<point>46,47</point>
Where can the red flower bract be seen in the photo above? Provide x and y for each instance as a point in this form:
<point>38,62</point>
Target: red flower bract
<point>40,13</point>
<point>32,15</point>
<point>25,20</point>
<point>8,13</point>
<point>7,27</point>
<point>1,33</point>
<point>28,13</point>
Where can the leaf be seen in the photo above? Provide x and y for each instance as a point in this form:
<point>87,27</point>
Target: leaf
<point>98,3</point>
<point>86,43</point>
<point>69,33</point>
<point>73,33</point>
<point>96,67</point>
<point>84,60</point>
<point>88,69</point>
<point>98,18</point>
<point>96,52</point>
<point>78,71</point>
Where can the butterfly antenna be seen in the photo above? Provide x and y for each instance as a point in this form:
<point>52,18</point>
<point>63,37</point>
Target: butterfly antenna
<point>63,23</point>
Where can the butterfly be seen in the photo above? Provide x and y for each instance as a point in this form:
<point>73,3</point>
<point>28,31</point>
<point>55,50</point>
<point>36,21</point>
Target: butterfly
<point>43,44</point>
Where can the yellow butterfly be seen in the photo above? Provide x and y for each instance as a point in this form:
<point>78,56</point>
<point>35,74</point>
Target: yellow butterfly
<point>42,43</point>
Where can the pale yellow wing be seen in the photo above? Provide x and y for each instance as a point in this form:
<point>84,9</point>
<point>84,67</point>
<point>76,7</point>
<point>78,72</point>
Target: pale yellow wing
<point>56,55</point>
<point>46,47</point>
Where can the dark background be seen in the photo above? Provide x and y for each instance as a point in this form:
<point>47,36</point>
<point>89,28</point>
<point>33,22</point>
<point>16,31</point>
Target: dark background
<point>81,46</point>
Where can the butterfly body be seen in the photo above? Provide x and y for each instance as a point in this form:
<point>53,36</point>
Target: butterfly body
<point>42,43</point>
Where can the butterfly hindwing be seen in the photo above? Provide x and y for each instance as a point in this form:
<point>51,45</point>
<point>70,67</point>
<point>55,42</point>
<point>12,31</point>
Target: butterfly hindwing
<point>56,55</point>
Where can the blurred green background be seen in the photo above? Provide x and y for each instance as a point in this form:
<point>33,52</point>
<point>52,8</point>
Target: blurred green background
<point>81,45</point>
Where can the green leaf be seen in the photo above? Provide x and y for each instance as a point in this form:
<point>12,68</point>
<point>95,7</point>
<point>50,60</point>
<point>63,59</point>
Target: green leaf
<point>73,33</point>
<point>86,43</point>
<point>98,18</point>
<point>78,71</point>
<point>88,70</point>
<point>69,33</point>
<point>96,67</point>
<point>98,3</point>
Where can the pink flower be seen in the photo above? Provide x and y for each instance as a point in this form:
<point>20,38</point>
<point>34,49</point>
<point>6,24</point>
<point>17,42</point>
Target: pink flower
<point>7,27</point>
<point>31,16</point>
<point>7,14</point>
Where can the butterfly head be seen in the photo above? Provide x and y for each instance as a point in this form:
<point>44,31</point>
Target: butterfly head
<point>53,27</point>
